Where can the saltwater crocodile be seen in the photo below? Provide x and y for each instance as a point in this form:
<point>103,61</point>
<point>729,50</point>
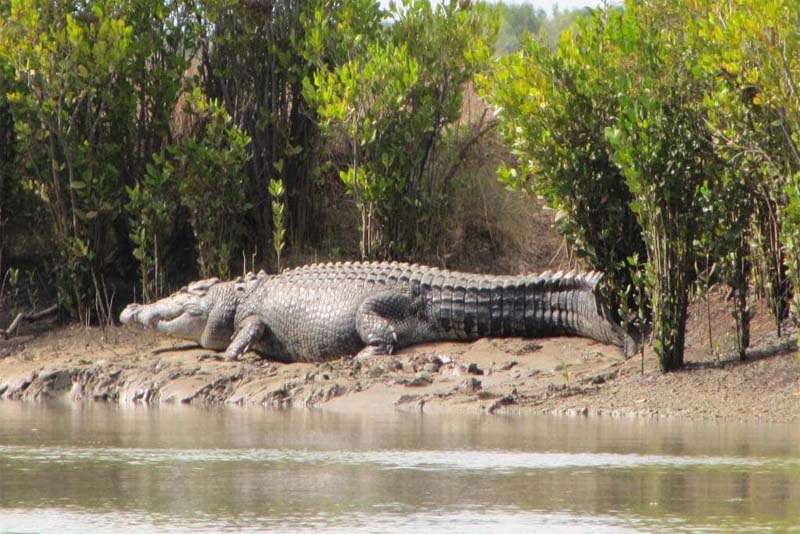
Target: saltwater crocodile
<point>323,311</point>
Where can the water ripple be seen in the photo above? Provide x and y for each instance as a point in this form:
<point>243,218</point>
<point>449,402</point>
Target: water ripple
<point>419,460</point>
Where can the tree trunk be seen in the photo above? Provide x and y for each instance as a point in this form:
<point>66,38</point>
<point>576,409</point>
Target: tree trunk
<point>774,265</point>
<point>741,312</point>
<point>6,162</point>
<point>302,212</point>
<point>670,327</point>
<point>671,260</point>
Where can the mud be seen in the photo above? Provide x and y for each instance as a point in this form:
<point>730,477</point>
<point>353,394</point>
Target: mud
<point>570,376</point>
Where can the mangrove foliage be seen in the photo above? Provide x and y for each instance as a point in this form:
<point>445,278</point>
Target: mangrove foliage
<point>144,143</point>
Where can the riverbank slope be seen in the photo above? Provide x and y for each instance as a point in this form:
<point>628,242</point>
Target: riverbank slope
<point>554,375</point>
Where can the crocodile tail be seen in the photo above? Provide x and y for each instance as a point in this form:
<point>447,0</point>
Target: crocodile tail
<point>528,306</point>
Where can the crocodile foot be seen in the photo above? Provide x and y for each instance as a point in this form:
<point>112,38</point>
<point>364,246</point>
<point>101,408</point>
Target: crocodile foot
<point>372,350</point>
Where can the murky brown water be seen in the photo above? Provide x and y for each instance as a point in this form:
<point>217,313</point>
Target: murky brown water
<point>105,468</point>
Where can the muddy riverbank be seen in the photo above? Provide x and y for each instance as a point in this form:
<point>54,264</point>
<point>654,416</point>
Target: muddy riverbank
<point>555,375</point>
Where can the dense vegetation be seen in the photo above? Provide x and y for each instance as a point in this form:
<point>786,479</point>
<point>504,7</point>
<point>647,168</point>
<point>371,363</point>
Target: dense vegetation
<point>666,134</point>
<point>137,135</point>
<point>143,133</point>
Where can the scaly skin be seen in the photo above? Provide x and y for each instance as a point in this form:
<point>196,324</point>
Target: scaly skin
<point>324,311</point>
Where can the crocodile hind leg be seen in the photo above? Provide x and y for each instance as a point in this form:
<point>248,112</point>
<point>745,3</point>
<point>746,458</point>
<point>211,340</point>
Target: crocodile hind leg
<point>388,320</point>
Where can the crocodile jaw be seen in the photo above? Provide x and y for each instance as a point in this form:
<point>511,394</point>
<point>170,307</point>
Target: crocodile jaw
<point>176,317</point>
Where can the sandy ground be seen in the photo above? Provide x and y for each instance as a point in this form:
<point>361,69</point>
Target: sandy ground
<point>555,375</point>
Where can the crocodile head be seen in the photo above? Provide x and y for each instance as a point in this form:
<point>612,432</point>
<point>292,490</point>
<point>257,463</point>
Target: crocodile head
<point>203,312</point>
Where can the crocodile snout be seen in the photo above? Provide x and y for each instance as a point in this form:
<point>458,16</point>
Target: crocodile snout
<point>128,315</point>
<point>132,316</point>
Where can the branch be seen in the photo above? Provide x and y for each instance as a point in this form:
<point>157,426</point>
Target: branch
<point>483,129</point>
<point>27,316</point>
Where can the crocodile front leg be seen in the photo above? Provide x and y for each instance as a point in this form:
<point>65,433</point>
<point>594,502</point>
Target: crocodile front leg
<point>388,320</point>
<point>248,333</point>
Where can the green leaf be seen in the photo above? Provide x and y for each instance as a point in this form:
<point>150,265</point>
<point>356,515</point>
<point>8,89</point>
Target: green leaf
<point>293,151</point>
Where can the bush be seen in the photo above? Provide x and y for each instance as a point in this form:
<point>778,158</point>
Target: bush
<point>394,105</point>
<point>210,179</point>
<point>69,94</point>
<point>554,109</point>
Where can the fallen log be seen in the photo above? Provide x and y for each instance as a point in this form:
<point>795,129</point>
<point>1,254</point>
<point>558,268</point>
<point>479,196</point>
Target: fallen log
<point>30,317</point>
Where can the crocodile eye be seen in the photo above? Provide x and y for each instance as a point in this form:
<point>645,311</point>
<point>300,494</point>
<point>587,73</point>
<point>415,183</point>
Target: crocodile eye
<point>201,287</point>
<point>194,310</point>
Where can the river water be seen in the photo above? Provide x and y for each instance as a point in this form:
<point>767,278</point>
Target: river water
<point>97,467</point>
